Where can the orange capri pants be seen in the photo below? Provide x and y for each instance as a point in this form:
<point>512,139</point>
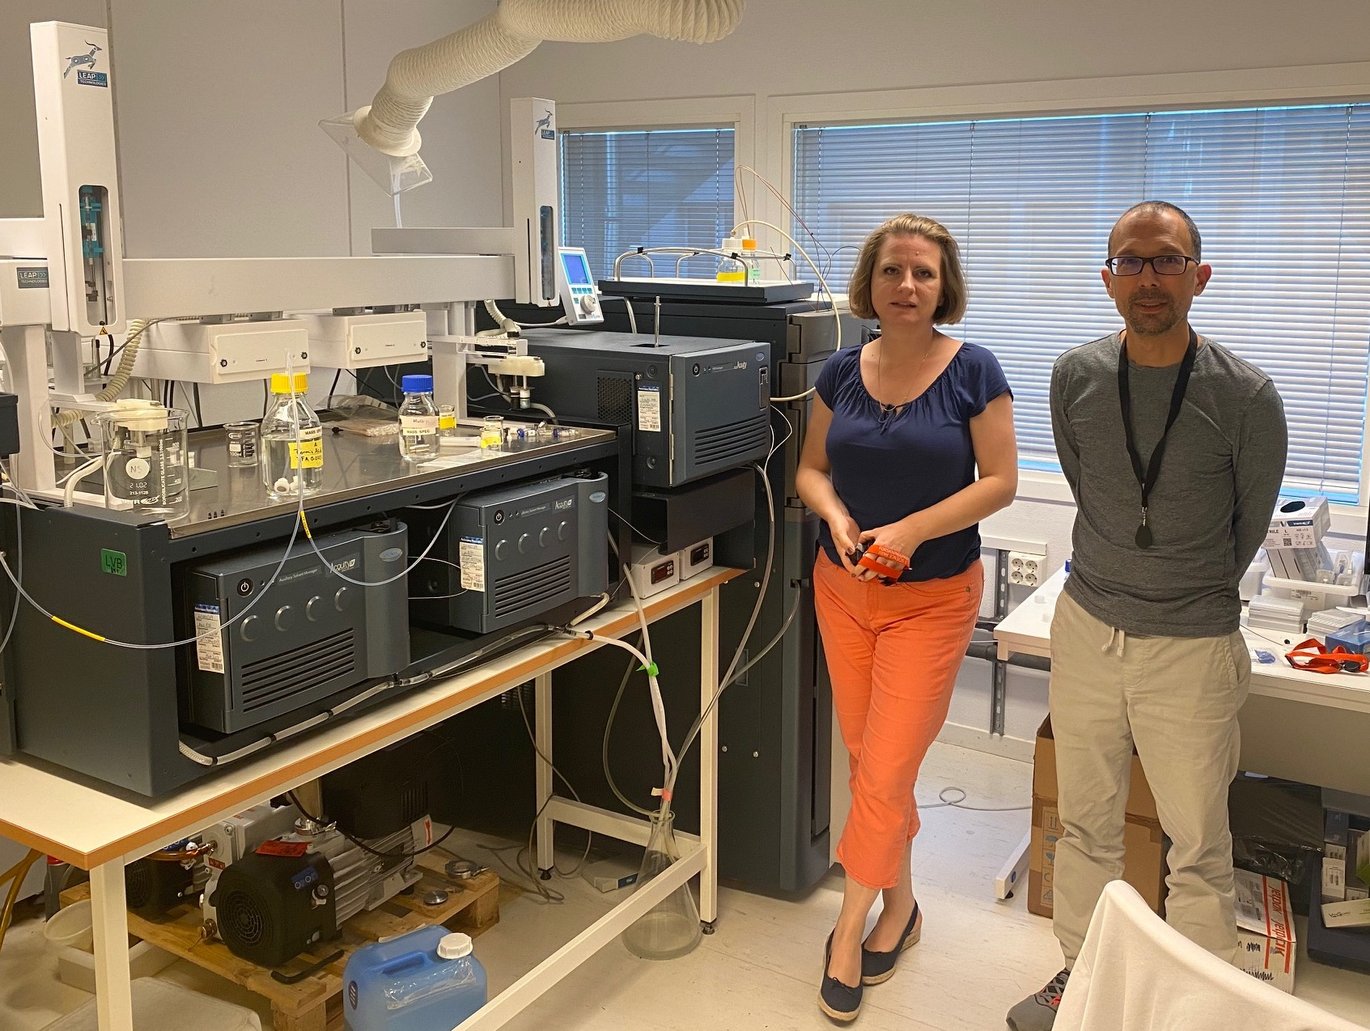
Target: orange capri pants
<point>893,653</point>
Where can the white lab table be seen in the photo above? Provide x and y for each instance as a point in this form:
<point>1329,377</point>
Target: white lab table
<point>1310,727</point>
<point>101,829</point>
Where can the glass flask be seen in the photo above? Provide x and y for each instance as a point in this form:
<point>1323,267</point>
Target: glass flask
<point>672,928</point>
<point>145,458</point>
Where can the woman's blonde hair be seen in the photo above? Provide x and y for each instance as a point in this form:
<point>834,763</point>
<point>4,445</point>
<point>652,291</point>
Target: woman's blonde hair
<point>951,306</point>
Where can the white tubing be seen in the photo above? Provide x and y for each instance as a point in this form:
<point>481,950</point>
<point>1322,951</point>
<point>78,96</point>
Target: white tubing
<point>117,382</point>
<point>601,21</point>
<point>512,32</point>
<point>416,76</point>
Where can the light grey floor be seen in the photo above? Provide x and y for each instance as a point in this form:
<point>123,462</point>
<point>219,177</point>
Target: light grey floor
<point>761,968</point>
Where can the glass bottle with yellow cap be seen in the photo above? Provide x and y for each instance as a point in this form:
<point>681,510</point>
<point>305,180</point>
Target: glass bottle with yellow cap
<point>292,440</point>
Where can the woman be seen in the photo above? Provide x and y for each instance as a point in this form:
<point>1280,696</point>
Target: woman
<point>897,433</point>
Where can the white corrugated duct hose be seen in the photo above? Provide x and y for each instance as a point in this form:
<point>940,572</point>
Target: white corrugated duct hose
<point>512,32</point>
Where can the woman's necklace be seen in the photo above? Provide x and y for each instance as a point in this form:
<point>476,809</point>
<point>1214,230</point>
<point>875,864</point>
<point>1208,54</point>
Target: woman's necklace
<point>888,410</point>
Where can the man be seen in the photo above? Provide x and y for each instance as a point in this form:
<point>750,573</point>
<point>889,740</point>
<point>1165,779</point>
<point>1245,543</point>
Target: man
<point>1174,450</point>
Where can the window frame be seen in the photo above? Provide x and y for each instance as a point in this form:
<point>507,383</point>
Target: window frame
<point>735,112</point>
<point>1309,84</point>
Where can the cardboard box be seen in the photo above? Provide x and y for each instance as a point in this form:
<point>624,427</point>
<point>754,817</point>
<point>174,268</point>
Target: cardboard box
<point>1298,523</point>
<point>1266,942</point>
<point>1141,804</point>
<point>1144,865</point>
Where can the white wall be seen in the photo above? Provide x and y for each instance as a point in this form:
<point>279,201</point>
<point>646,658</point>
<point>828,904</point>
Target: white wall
<point>461,132</point>
<point>217,111</point>
<point>218,108</point>
<point>833,46</point>
<point>960,57</point>
<point>21,196</point>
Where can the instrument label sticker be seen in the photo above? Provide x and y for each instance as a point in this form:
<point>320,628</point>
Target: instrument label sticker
<point>649,408</point>
<point>471,558</point>
<point>209,648</point>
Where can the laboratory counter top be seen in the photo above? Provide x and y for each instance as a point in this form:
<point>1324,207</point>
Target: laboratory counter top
<point>357,465</point>
<point>1298,724</point>
<point>1027,630</point>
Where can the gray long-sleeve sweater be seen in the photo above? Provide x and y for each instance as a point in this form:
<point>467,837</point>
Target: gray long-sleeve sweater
<point>1210,507</point>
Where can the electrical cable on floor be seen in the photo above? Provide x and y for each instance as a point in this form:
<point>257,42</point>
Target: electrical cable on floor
<point>946,803</point>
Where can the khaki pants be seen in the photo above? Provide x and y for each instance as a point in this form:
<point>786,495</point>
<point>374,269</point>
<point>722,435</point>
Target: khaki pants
<point>1176,699</point>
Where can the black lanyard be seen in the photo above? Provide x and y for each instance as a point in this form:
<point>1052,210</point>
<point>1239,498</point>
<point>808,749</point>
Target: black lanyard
<point>1153,467</point>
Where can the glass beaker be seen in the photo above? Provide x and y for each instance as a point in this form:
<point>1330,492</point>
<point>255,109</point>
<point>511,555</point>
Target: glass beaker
<point>241,438</point>
<point>492,432</point>
<point>672,927</point>
<point>145,458</point>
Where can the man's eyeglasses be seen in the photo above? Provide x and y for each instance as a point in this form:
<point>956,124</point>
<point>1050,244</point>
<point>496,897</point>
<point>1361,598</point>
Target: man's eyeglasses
<point>1164,264</point>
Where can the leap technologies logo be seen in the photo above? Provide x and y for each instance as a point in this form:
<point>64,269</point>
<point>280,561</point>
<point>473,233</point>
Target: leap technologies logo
<point>86,76</point>
<point>544,127</point>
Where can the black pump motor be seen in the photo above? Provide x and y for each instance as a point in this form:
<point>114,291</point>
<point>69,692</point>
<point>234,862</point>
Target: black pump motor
<point>270,907</point>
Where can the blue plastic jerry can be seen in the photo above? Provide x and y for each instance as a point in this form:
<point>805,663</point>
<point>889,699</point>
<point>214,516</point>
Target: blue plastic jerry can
<point>427,980</point>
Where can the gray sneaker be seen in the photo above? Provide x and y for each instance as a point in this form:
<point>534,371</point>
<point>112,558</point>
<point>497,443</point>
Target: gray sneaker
<point>1038,1012</point>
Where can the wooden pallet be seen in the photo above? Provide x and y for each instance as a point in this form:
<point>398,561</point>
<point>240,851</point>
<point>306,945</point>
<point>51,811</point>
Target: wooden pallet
<point>315,1003</point>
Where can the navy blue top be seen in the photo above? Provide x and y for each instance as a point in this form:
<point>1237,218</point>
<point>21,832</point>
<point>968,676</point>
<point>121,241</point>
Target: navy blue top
<point>917,456</point>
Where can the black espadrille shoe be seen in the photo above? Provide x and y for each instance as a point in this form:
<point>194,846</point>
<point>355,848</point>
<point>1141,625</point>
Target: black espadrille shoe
<point>839,1001</point>
<point>878,967</point>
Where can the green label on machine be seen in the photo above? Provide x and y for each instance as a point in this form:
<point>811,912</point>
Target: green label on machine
<point>113,562</point>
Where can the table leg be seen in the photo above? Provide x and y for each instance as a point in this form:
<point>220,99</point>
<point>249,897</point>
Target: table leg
<point>109,914</point>
<point>542,718</point>
<point>708,760</point>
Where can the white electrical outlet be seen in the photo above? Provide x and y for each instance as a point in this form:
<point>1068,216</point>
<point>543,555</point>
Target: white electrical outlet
<point>1025,568</point>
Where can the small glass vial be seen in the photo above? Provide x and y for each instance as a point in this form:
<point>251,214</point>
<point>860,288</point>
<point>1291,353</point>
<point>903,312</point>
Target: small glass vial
<point>292,440</point>
<point>731,269</point>
<point>752,262</point>
<point>492,432</point>
<point>241,438</point>
<point>418,419</point>
<point>447,425</point>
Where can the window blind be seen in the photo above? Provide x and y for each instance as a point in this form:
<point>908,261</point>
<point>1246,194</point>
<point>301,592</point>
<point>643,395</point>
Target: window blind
<point>621,190</point>
<point>1281,197</point>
